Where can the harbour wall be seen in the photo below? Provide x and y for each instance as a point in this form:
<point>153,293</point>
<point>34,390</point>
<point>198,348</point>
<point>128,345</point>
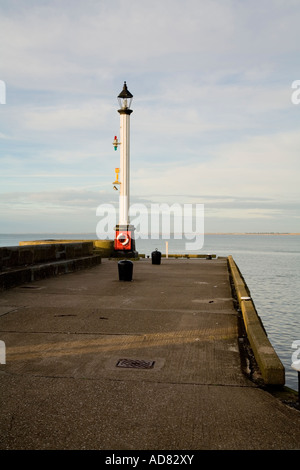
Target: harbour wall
<point>272,370</point>
<point>104,248</point>
<point>31,262</point>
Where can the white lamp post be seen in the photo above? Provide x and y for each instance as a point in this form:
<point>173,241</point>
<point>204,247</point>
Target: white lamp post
<point>124,238</point>
<point>125,99</point>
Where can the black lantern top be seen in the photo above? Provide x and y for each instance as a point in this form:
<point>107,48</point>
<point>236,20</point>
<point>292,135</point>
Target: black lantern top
<point>125,98</point>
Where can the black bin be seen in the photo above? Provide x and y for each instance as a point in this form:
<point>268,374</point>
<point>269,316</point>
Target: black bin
<point>156,257</point>
<point>125,268</point>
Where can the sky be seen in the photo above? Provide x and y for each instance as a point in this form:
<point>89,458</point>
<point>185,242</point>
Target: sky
<point>213,120</point>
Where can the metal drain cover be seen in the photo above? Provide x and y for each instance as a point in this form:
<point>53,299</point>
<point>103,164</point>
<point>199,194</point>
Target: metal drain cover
<point>135,364</point>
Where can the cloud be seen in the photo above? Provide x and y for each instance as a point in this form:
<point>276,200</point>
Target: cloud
<point>212,103</point>
<point>65,118</point>
<point>50,46</point>
<point>266,165</point>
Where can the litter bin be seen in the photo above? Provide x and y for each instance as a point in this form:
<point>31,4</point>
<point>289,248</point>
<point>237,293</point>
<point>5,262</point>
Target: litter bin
<point>156,257</point>
<point>125,268</point>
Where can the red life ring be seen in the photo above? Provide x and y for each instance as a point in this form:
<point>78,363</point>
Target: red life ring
<point>123,235</point>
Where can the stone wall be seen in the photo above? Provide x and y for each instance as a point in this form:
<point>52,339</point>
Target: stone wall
<point>15,256</point>
<point>29,263</point>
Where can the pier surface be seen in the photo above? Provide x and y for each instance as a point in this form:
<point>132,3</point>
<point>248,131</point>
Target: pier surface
<point>70,341</point>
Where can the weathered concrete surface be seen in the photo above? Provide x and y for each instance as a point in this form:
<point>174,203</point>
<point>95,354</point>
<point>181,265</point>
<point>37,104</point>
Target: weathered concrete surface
<point>60,387</point>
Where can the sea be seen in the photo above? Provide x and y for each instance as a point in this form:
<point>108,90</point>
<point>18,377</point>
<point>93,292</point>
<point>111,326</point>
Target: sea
<point>270,264</point>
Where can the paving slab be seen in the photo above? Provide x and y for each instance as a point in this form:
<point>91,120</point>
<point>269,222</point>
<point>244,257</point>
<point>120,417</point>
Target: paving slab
<point>174,327</point>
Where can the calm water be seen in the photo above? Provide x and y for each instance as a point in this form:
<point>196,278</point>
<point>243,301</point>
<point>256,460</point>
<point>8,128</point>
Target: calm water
<point>270,265</point>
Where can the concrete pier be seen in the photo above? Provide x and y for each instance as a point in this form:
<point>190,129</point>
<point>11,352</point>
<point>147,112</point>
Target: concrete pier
<point>161,363</point>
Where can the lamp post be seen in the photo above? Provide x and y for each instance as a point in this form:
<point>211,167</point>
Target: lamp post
<point>124,243</point>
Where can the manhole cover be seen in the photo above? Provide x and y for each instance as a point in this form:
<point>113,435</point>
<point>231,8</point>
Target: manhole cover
<point>135,364</point>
